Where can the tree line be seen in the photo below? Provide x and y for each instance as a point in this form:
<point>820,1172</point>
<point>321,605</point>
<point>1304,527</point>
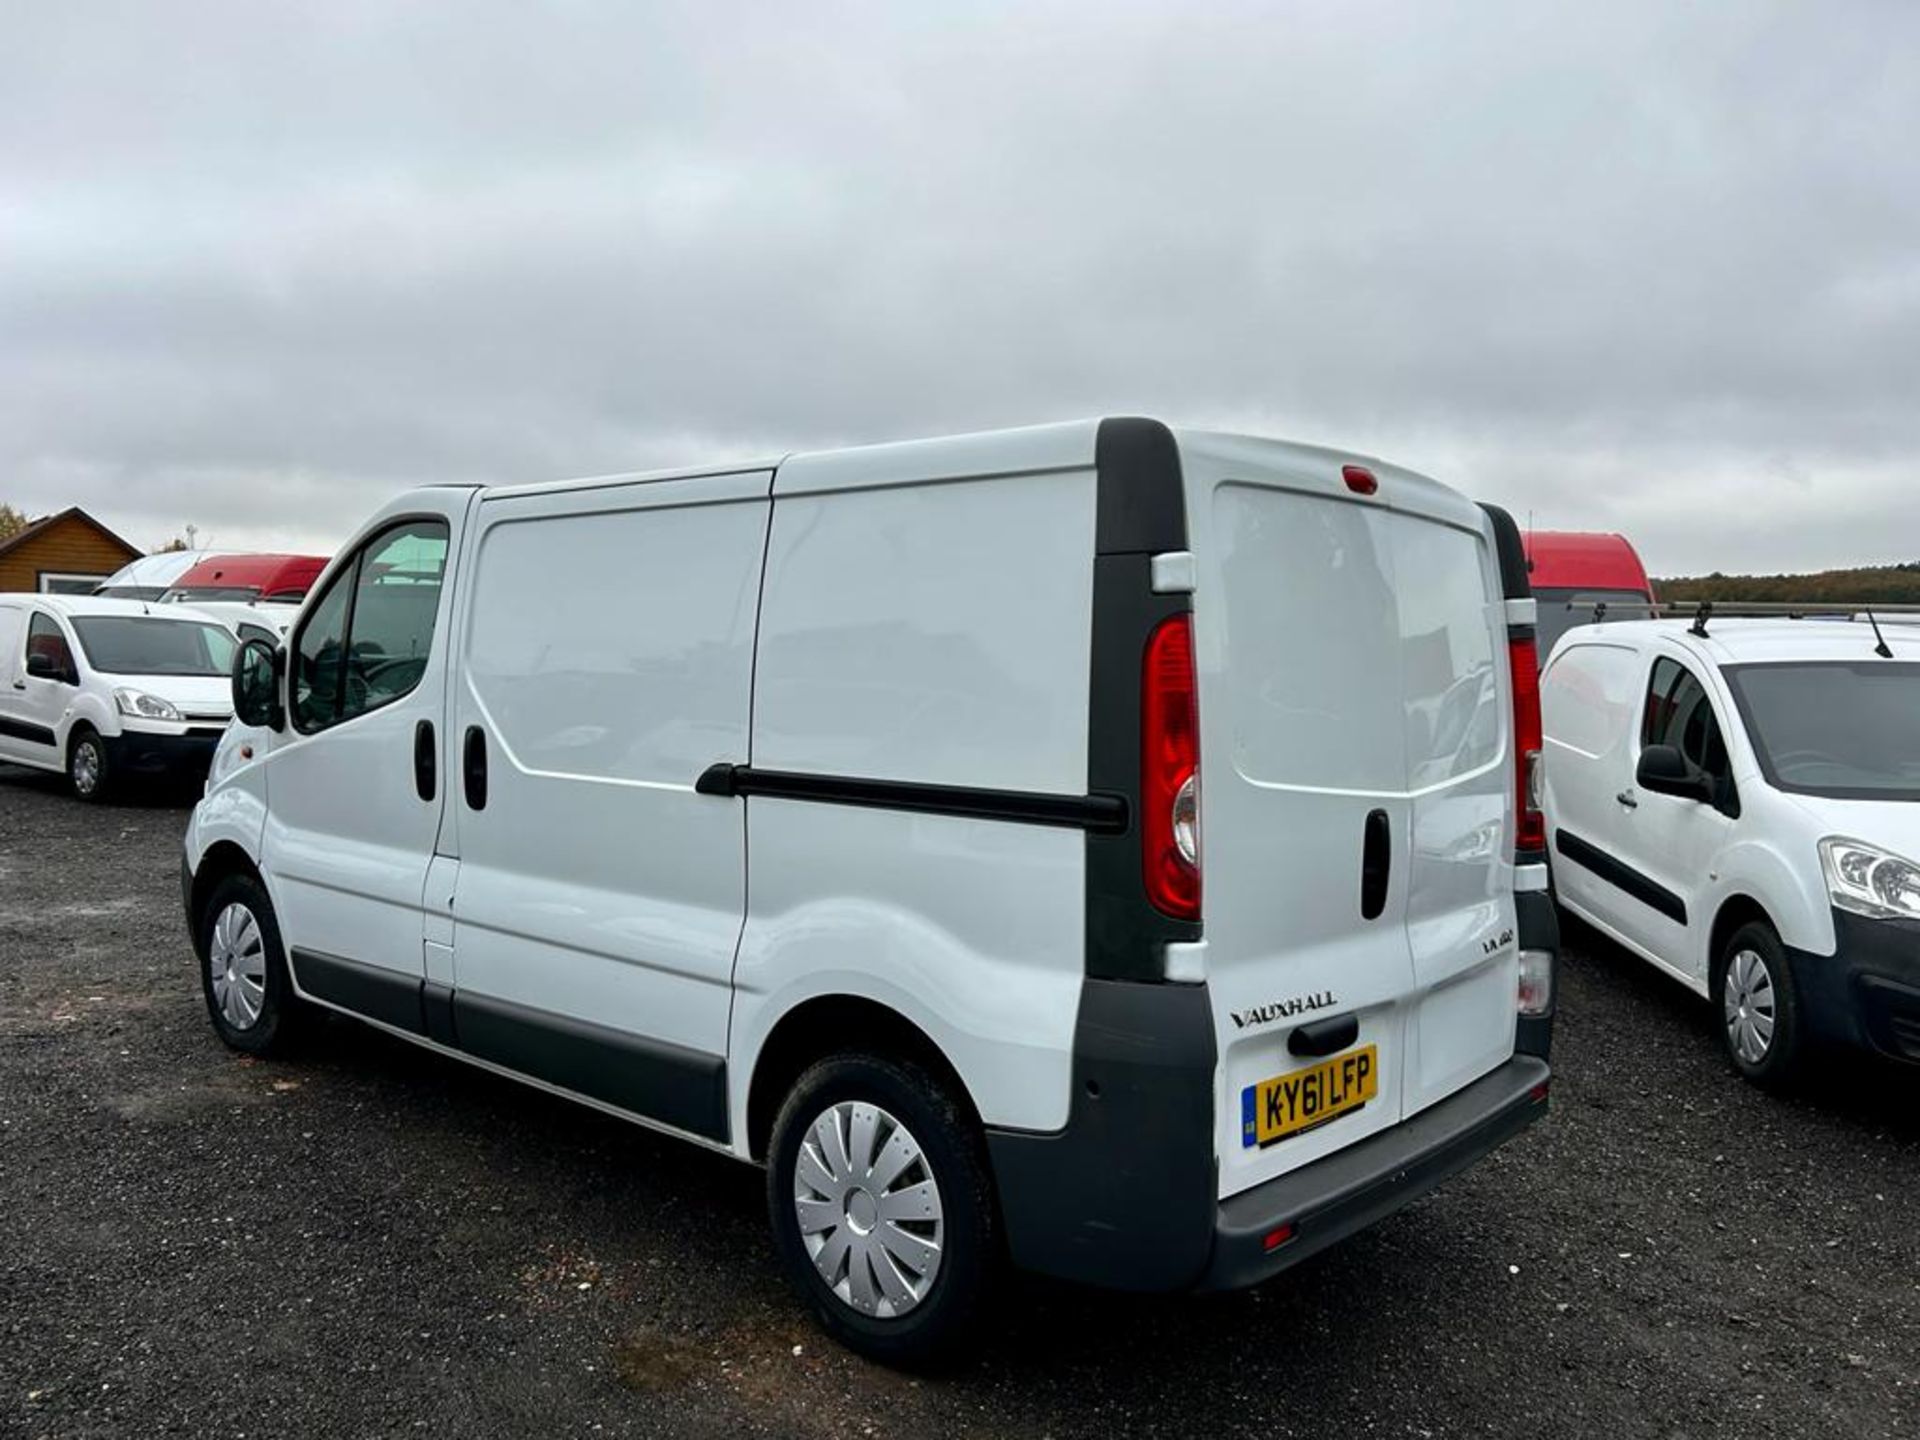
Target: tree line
<point>1885,584</point>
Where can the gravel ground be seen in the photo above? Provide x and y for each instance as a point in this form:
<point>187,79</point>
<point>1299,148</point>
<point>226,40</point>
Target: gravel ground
<point>372,1240</point>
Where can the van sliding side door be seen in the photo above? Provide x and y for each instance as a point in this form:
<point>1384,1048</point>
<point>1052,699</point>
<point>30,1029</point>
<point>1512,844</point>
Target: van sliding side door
<point>605,662</point>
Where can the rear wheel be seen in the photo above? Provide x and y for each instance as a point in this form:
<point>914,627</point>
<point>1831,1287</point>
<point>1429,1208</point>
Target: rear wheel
<point>243,969</point>
<point>1757,1007</point>
<point>882,1207</point>
<point>88,769</point>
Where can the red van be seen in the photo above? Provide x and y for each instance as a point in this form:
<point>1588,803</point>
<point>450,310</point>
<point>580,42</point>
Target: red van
<point>249,577</point>
<point>1574,571</point>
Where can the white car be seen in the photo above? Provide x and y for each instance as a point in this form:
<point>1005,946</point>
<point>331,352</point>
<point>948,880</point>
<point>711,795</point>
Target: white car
<point>104,689</point>
<point>1738,802</point>
<point>845,815</point>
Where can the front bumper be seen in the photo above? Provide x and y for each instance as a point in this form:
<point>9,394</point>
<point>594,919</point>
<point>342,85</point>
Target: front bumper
<point>1867,993</point>
<point>1349,1190</point>
<point>185,754</point>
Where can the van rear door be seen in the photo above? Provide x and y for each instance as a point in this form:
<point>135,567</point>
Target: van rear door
<point>1355,798</point>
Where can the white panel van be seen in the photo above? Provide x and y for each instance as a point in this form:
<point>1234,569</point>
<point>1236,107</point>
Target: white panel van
<point>108,690</point>
<point>1102,845</point>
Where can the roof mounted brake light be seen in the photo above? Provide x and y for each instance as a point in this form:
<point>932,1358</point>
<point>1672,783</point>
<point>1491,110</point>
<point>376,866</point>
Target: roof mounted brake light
<point>1359,479</point>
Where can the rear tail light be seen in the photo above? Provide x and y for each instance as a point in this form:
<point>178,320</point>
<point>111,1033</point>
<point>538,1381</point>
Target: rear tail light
<point>1536,983</point>
<point>1530,832</point>
<point>1170,771</point>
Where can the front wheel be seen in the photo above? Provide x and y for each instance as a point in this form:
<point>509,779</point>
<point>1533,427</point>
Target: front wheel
<point>243,969</point>
<point>882,1206</point>
<point>88,768</point>
<point>1757,1006</point>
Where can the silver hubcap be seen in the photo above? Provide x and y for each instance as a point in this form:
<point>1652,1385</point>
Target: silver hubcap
<point>869,1209</point>
<point>237,963</point>
<point>86,767</point>
<point>1749,1006</point>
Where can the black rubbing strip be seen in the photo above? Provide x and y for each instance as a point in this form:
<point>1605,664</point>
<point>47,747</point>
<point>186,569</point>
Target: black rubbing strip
<point>22,730</point>
<point>684,1088</point>
<point>1103,813</point>
<point>379,994</point>
<point>1647,891</point>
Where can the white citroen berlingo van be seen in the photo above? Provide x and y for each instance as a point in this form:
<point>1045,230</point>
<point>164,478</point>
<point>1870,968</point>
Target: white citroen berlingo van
<point>1732,799</point>
<point>1100,844</point>
<point>108,689</point>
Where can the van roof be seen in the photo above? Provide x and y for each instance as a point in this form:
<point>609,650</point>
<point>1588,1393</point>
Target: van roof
<point>85,605</point>
<point>1736,641</point>
<point>1584,560</point>
<point>1065,445</point>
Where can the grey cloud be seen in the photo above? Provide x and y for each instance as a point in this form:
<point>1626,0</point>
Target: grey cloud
<point>1633,265</point>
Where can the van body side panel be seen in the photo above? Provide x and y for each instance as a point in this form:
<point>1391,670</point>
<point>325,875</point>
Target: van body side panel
<point>607,660</point>
<point>934,632</point>
<point>1590,696</point>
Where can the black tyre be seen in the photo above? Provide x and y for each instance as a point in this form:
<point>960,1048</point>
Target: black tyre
<point>882,1207</point>
<point>89,770</point>
<point>1756,1007</point>
<point>243,969</point>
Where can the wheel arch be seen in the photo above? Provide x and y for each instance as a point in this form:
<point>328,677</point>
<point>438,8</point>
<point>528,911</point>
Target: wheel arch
<point>223,858</point>
<point>821,1026</point>
<point>1736,910</point>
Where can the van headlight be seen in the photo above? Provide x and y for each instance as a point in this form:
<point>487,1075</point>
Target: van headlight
<point>142,705</point>
<point>1867,880</point>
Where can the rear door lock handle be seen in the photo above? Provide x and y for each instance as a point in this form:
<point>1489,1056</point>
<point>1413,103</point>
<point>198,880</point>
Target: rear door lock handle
<point>1625,797</point>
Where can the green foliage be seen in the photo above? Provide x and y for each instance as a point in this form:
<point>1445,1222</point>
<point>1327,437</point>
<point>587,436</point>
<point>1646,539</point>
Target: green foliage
<point>12,522</point>
<point>1870,584</point>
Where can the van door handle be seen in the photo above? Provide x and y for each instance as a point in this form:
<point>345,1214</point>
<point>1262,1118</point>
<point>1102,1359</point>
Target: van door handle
<point>1376,866</point>
<point>425,776</point>
<point>473,768</point>
<point>1625,797</point>
<point>1324,1037</point>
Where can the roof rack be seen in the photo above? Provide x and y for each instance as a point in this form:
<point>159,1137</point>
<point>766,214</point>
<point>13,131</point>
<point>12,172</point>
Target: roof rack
<point>1705,610</point>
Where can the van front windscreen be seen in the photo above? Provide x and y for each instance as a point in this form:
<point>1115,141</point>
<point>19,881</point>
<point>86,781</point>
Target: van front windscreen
<point>135,645</point>
<point>1839,729</point>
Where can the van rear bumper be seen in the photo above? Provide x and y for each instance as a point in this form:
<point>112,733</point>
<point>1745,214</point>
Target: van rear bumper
<point>1126,1194</point>
<point>1353,1188</point>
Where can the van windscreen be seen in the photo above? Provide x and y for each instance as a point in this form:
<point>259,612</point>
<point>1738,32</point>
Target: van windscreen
<point>1839,729</point>
<point>135,645</point>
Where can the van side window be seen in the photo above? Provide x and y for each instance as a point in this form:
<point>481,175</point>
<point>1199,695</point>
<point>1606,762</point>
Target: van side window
<point>44,637</point>
<point>1680,714</point>
<point>366,641</point>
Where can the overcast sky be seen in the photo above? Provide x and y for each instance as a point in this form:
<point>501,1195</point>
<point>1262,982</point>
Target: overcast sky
<point>1642,267</point>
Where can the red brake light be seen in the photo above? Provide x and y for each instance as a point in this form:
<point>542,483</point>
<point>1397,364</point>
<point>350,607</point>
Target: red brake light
<point>1170,771</point>
<point>1531,830</point>
<point>1359,479</point>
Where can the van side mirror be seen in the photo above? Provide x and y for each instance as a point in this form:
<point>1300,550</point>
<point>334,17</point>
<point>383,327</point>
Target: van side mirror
<point>1665,771</point>
<point>42,666</point>
<point>256,685</point>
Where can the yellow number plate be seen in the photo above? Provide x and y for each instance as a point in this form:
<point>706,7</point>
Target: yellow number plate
<point>1288,1104</point>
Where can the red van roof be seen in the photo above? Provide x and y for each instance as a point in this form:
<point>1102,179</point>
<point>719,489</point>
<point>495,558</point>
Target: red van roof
<point>269,577</point>
<point>1584,560</point>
